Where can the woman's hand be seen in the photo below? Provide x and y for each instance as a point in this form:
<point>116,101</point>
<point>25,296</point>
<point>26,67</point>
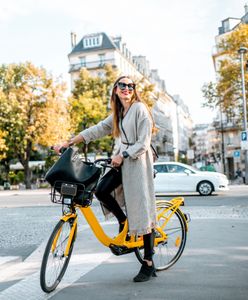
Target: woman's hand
<point>117,160</point>
<point>57,148</point>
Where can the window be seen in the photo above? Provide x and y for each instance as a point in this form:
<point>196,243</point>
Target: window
<point>101,59</point>
<point>82,61</point>
<point>92,41</point>
<point>176,169</point>
<point>161,168</point>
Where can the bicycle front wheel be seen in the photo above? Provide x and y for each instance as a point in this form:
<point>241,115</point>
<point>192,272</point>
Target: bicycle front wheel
<point>54,262</point>
<point>167,252</point>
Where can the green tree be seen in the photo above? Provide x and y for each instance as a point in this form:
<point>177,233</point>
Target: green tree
<point>33,111</point>
<point>89,104</point>
<point>227,92</point>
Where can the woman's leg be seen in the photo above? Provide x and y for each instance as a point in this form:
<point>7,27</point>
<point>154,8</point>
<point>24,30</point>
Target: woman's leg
<point>147,269</point>
<point>105,187</point>
<point>148,246</point>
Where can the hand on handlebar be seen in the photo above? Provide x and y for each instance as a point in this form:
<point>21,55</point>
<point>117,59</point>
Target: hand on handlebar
<point>59,148</point>
<point>117,160</point>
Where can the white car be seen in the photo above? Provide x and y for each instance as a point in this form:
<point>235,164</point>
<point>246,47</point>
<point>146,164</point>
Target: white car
<point>179,177</point>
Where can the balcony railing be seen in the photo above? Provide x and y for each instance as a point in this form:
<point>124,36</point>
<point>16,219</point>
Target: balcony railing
<point>92,65</point>
<point>234,124</point>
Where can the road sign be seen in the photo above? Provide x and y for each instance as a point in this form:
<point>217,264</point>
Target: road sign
<point>244,136</point>
<point>236,156</point>
<point>244,140</point>
<point>236,153</point>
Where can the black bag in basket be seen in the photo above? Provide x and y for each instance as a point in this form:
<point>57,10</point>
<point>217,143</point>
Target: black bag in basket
<point>71,168</point>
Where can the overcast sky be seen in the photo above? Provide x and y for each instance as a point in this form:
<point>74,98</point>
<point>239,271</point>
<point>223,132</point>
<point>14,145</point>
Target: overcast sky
<point>177,37</point>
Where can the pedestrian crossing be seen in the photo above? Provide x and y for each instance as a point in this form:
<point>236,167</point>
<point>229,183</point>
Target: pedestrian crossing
<point>29,287</point>
<point>20,280</point>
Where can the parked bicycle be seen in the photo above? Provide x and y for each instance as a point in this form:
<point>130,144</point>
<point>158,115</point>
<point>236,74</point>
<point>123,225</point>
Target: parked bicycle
<point>170,233</point>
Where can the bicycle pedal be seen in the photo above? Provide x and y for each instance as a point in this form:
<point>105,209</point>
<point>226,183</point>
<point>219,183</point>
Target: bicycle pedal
<point>120,250</point>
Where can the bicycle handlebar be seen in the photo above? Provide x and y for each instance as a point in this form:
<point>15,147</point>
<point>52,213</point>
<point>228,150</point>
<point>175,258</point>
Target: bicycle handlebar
<point>107,161</point>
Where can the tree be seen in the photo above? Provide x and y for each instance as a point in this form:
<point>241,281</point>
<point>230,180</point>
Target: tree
<point>90,103</point>
<point>227,92</point>
<point>33,112</point>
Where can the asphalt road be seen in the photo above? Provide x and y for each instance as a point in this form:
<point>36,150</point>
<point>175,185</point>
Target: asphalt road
<point>214,264</point>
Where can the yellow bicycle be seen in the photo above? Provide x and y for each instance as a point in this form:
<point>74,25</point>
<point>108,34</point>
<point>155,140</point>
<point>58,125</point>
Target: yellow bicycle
<point>170,234</point>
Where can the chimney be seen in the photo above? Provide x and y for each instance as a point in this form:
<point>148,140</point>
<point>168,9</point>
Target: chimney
<point>246,8</point>
<point>124,48</point>
<point>73,39</point>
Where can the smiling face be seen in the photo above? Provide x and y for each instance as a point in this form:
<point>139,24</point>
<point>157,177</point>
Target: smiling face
<point>125,90</point>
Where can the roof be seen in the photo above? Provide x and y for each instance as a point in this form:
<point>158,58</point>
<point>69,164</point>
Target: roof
<point>104,43</point>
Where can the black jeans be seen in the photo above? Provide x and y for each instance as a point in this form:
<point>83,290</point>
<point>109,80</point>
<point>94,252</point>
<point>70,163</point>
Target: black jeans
<point>105,187</point>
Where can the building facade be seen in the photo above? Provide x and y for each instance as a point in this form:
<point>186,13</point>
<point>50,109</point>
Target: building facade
<point>184,128</point>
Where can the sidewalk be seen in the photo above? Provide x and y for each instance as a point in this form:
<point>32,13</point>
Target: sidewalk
<point>46,191</point>
<point>25,192</point>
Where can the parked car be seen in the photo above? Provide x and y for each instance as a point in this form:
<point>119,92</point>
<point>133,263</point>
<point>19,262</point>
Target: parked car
<point>179,177</point>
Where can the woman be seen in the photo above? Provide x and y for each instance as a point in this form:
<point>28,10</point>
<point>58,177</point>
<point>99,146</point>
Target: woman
<point>130,122</point>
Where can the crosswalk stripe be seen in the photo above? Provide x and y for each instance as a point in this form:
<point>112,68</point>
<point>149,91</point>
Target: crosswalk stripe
<point>29,288</point>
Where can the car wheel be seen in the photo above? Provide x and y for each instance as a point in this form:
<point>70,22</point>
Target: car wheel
<point>205,188</point>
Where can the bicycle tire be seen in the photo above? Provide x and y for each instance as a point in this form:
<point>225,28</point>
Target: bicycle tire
<point>167,253</point>
<point>51,259</point>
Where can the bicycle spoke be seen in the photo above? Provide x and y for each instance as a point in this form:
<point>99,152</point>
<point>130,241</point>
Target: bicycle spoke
<point>54,261</point>
<point>173,229</point>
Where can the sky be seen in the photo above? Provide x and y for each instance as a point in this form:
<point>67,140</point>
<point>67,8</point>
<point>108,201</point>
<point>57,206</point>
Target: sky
<point>177,37</point>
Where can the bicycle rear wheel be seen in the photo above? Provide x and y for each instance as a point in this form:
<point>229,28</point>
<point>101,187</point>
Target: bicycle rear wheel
<point>54,262</point>
<point>169,251</point>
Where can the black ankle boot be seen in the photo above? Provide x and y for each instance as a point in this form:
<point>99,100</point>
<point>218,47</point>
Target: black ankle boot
<point>145,273</point>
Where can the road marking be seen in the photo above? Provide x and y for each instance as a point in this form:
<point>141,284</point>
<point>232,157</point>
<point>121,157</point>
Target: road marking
<point>8,260</point>
<point>29,288</point>
<point>217,212</point>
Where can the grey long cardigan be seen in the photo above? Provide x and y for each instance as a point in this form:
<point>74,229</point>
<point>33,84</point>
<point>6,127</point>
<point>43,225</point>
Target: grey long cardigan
<point>137,169</point>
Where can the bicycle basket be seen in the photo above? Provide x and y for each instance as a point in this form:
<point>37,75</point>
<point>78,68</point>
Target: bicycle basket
<point>70,193</point>
<point>71,168</point>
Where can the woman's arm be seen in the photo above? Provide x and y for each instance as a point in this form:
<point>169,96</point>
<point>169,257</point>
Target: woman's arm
<point>97,131</point>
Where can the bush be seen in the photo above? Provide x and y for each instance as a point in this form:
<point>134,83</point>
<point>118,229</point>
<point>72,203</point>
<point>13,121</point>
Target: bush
<point>16,178</point>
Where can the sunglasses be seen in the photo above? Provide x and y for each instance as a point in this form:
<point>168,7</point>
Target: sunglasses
<point>122,86</point>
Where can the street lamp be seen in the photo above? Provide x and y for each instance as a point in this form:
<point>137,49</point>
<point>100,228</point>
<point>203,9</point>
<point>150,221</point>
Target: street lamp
<point>242,51</point>
<point>222,129</point>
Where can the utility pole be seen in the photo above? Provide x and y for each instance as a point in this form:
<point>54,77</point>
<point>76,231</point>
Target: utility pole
<point>222,144</point>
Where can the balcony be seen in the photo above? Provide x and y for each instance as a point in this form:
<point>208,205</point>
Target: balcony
<point>99,64</point>
<point>232,125</point>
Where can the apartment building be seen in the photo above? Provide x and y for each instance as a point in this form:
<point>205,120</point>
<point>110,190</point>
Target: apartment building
<point>93,51</point>
<point>184,127</point>
<point>228,127</point>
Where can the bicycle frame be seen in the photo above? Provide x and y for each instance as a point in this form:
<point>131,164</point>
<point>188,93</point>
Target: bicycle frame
<point>174,205</point>
<point>120,239</point>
